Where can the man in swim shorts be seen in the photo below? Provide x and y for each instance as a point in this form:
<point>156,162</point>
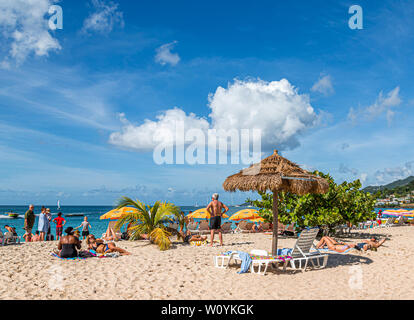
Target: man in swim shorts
<point>215,209</point>
<point>29,220</point>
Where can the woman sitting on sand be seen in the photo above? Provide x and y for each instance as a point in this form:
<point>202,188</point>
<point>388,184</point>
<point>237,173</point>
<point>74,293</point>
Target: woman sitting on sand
<point>340,247</point>
<point>68,245</point>
<point>100,246</point>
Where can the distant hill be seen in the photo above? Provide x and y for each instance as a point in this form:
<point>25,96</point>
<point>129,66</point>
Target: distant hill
<point>396,185</point>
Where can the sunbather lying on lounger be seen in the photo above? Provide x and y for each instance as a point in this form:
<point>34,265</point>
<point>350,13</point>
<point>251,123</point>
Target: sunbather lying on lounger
<point>100,246</point>
<point>340,247</point>
<point>188,237</point>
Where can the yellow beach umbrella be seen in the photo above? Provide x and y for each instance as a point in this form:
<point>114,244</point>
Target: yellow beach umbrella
<point>202,214</point>
<point>116,214</point>
<point>246,214</point>
<point>257,220</point>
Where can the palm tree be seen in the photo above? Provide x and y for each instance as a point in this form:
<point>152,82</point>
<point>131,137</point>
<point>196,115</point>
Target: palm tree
<point>148,220</point>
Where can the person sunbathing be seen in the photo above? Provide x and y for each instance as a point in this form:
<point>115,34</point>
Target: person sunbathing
<point>188,237</point>
<point>101,247</point>
<point>340,247</point>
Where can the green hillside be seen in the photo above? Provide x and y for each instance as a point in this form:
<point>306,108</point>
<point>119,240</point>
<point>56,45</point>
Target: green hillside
<point>399,188</point>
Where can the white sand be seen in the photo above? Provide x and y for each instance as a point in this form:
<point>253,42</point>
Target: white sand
<point>185,272</point>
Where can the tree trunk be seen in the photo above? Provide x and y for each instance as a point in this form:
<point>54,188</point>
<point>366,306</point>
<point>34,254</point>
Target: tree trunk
<point>275,222</point>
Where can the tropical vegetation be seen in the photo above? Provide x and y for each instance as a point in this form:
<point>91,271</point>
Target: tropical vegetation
<point>148,220</point>
<point>343,203</point>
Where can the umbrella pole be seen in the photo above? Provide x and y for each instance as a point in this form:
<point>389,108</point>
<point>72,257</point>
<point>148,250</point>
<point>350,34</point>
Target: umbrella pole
<point>275,222</point>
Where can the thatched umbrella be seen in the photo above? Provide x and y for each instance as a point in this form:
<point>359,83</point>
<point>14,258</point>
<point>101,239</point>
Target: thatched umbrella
<point>276,174</point>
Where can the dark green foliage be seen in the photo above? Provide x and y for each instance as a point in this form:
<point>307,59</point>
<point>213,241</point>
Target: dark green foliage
<point>343,203</point>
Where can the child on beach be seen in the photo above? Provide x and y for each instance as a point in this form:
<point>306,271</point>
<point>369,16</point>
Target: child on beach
<point>36,237</point>
<point>85,228</point>
<point>60,222</point>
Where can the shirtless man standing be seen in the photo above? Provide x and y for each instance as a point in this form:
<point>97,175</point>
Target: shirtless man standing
<point>215,209</point>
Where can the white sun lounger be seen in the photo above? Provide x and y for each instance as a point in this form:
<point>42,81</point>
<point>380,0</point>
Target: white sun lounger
<point>302,253</point>
<point>9,238</point>
<point>388,223</point>
<point>223,261</point>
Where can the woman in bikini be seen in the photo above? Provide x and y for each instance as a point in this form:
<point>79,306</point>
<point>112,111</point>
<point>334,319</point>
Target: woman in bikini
<point>188,237</point>
<point>340,247</point>
<point>100,246</point>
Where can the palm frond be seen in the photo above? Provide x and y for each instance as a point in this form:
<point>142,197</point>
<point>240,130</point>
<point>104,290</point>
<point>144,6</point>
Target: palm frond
<point>137,231</point>
<point>165,209</point>
<point>161,237</point>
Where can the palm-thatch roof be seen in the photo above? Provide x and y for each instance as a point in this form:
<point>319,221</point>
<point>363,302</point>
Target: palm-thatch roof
<point>276,173</point>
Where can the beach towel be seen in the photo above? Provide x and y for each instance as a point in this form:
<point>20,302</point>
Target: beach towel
<point>326,250</point>
<point>284,252</point>
<point>278,258</point>
<point>68,259</point>
<point>246,261</point>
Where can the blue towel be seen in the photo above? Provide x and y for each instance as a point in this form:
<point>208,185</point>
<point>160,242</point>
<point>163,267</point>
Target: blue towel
<point>284,252</point>
<point>246,261</point>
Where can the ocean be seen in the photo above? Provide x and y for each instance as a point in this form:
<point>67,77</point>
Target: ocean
<point>92,212</point>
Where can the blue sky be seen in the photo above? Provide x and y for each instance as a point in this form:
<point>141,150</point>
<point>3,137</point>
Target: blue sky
<point>74,102</point>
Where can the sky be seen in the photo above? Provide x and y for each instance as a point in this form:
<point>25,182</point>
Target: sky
<point>83,108</point>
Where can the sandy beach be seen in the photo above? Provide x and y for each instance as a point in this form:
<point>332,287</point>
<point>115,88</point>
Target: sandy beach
<point>28,271</point>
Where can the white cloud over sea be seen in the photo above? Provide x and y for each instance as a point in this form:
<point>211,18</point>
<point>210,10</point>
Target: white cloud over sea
<point>276,108</point>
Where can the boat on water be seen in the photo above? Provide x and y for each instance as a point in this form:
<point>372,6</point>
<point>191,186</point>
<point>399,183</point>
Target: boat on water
<point>12,215</point>
<point>75,215</point>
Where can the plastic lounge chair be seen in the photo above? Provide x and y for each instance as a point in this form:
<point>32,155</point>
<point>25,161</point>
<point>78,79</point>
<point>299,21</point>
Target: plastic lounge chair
<point>388,223</point>
<point>226,227</point>
<point>193,228</point>
<point>9,238</point>
<point>281,228</point>
<point>302,253</point>
<point>203,228</point>
<point>290,230</point>
<point>111,226</point>
<point>260,260</point>
<point>244,227</point>
<point>400,222</point>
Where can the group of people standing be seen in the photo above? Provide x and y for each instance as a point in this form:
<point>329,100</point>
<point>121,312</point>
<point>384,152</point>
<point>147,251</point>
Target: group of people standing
<point>43,232</point>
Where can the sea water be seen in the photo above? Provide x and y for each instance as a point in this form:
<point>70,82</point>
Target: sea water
<point>98,227</point>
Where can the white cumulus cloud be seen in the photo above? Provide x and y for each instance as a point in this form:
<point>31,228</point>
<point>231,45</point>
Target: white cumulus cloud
<point>146,136</point>
<point>24,29</point>
<point>323,85</point>
<point>105,17</point>
<point>165,56</point>
<point>383,105</point>
<point>276,108</point>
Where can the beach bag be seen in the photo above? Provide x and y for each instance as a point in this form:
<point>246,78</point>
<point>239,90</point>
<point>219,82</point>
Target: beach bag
<point>86,254</point>
<point>124,236</point>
